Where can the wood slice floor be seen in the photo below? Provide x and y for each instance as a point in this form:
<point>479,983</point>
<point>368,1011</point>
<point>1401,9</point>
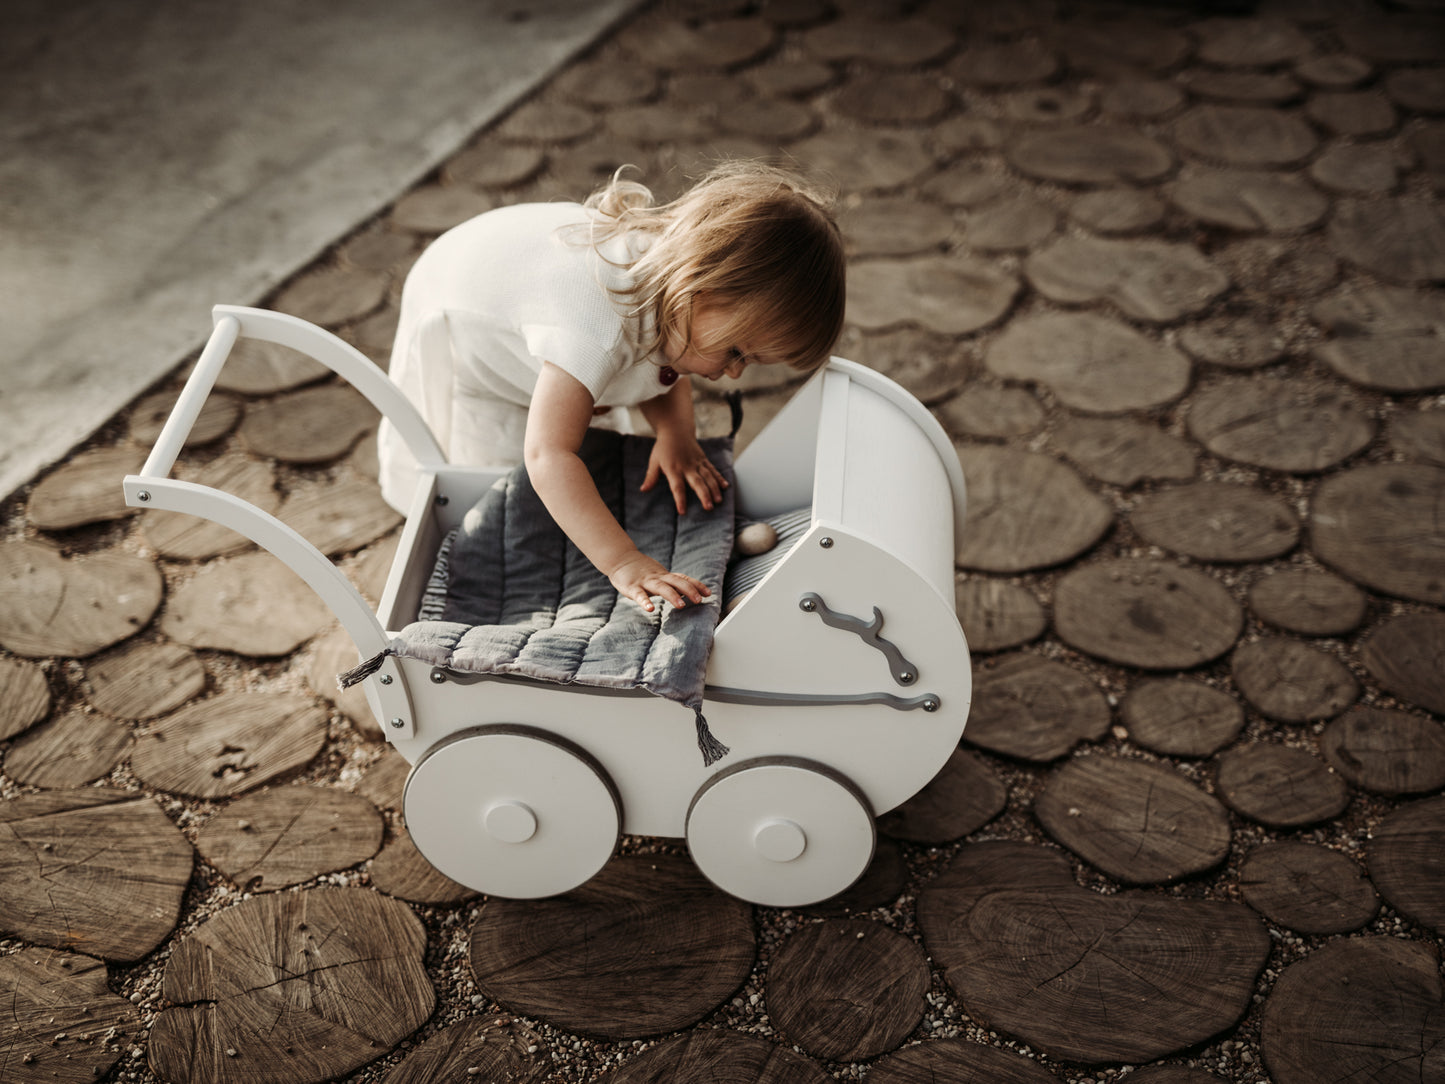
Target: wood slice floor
<point>1168,274</point>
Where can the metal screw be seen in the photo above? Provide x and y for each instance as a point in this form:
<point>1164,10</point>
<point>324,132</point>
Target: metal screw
<point>397,724</point>
<point>443,500</point>
<point>385,679</point>
<point>826,542</point>
<point>143,495</point>
<point>931,704</point>
<point>907,677</point>
<point>807,605</point>
<point>438,678</point>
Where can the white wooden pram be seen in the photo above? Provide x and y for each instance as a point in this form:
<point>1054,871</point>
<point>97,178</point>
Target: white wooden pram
<point>841,683</point>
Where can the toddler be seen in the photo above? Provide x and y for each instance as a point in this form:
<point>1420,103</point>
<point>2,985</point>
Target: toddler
<point>525,325</point>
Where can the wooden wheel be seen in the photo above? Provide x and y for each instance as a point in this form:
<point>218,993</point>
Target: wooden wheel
<point>512,811</point>
<point>780,831</point>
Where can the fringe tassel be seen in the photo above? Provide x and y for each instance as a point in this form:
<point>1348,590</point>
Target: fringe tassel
<point>356,674</point>
<point>712,749</point>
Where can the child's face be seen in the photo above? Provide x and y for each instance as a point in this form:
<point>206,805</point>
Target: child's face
<point>710,354</point>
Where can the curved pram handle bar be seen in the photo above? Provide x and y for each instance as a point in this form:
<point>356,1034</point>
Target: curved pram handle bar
<point>154,488</point>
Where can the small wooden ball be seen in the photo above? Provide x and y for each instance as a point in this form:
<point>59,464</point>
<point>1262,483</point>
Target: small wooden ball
<point>756,538</point>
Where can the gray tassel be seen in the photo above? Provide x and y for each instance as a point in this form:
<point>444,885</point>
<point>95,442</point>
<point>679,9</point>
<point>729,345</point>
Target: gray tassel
<point>712,749</point>
<point>356,674</point>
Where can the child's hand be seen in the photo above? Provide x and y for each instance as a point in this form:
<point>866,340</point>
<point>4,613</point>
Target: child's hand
<point>639,577</point>
<point>685,465</point>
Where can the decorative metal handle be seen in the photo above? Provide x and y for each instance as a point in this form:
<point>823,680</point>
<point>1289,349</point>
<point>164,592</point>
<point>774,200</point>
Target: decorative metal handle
<point>903,671</point>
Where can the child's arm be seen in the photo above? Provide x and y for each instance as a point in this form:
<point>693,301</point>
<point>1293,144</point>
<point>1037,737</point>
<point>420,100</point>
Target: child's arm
<point>556,423</point>
<point>677,456</point>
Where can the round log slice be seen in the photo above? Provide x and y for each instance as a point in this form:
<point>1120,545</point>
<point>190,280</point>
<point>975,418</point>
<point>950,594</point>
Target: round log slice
<point>1387,752</point>
<point>1355,169</point>
<point>1149,614</point>
<point>1139,822</point>
<point>1154,281</point>
<point>1245,135</point>
<point>1334,71</point>
<point>1133,97</point>
<point>880,886</point>
<point>313,425</point>
<point>24,696</point>
<point>952,295</point>
<point>882,159</point>
<point>1248,200</point>
<point>1232,341</point>
<point>991,412</point>
<point>960,1061</point>
<point>1420,435</point>
<point>1308,600</point>
<point>1279,785</point>
<point>1028,706</point>
<point>292,988</point>
<point>1378,524</point>
<point>1406,860</point>
<point>402,871</point>
<point>975,871</point>
<point>1181,717</point>
<point>964,796</point>
<point>1282,424</point>
<point>1092,155</point>
<point>995,614</point>
<point>54,605</point>
<point>719,1057</point>
<point>1406,655</point>
<point>1002,64</point>
<point>191,538</point>
<point>1124,451</point>
<point>891,226</point>
<point>1121,45</point>
<point>1292,681</point>
<point>1247,43</point>
<point>1091,362</point>
<point>330,655</point>
<point>1358,1009</point>
<point>252,605</point>
<point>144,679</point>
<point>1027,510</point>
<point>1010,223</point>
<point>1385,337</point>
<point>85,489</point>
<point>69,751</point>
<point>1401,240</point>
<point>95,870</point>
<point>339,517</point>
<point>1217,521</point>
<point>892,42</point>
<point>1090,978</point>
<point>646,947</point>
<point>1242,87</point>
<point>1308,888</point>
<point>230,743</point>
<point>825,989</point>
<point>1117,210</point>
<point>63,1022</point>
<point>477,1048</point>
<point>262,368</point>
<point>332,295</point>
<point>286,835</point>
<point>218,415</point>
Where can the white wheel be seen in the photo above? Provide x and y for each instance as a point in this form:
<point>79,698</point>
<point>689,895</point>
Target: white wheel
<point>512,811</point>
<point>780,831</point>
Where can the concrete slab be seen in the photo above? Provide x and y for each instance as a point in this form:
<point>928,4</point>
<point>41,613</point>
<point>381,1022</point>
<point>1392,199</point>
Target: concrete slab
<point>160,158</point>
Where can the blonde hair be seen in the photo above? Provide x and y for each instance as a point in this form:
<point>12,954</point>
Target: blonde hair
<point>754,238</point>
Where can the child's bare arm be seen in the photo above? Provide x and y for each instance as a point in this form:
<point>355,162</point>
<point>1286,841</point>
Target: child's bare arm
<point>556,423</point>
<point>677,456</point>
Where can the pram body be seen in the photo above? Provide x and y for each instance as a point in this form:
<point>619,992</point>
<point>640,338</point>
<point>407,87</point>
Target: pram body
<point>841,683</point>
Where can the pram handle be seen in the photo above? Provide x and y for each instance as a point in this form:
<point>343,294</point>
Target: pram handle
<point>154,488</point>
